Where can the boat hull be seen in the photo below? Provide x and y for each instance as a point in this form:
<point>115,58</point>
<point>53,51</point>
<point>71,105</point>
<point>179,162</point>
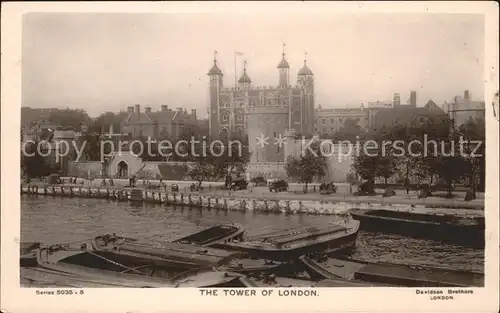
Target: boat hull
<point>465,235</point>
<point>214,234</point>
<point>390,274</point>
<point>57,268</point>
<point>344,243</point>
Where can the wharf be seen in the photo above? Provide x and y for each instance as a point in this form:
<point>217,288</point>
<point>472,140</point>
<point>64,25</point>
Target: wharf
<point>248,201</point>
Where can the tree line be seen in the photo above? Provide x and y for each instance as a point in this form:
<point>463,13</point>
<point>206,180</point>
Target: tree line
<point>436,167</point>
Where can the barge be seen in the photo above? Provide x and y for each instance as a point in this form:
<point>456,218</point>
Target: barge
<point>290,244</point>
<point>389,274</point>
<point>465,231</point>
<point>214,234</point>
<point>61,266</point>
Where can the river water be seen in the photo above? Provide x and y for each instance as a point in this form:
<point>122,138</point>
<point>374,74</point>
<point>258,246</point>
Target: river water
<point>59,220</point>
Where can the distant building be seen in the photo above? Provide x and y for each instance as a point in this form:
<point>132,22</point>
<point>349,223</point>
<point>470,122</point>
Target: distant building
<point>397,100</point>
<point>407,115</point>
<point>462,109</point>
<point>413,99</point>
<point>374,107</point>
<point>165,123</point>
<point>328,121</point>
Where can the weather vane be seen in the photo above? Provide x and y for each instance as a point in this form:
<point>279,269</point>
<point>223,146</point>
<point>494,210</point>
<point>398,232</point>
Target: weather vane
<point>215,55</point>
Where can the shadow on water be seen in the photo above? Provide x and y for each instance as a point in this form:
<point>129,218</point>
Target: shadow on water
<point>58,220</point>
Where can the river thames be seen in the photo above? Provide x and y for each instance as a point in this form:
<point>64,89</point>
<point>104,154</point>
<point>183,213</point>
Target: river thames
<point>59,220</point>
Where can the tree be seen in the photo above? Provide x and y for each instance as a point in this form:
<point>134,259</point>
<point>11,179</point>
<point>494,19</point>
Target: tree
<point>452,169</point>
<point>102,122</point>
<point>33,163</point>
<point>69,118</point>
<point>202,171</point>
<point>92,148</point>
<point>310,165</point>
<point>350,131</point>
<point>386,168</point>
<point>473,133</point>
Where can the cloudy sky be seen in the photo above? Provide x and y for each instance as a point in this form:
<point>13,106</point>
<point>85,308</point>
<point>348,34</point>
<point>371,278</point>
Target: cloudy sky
<point>106,62</point>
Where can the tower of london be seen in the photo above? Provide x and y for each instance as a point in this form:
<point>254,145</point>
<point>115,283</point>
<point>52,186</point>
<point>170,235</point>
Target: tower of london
<point>262,110</point>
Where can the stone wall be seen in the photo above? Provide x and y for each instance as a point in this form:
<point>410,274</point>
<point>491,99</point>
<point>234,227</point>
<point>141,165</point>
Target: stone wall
<point>267,170</point>
<point>87,169</point>
<point>167,170</point>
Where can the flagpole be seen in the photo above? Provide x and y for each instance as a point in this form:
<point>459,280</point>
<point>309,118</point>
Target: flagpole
<point>235,75</point>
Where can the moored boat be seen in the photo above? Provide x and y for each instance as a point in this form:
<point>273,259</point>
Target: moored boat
<point>28,253</point>
<point>467,231</point>
<point>389,274</point>
<point>287,245</point>
<point>214,234</point>
<point>61,265</point>
<point>169,255</point>
<point>266,281</point>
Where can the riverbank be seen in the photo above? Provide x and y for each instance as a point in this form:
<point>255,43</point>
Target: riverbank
<point>295,193</point>
<point>286,203</point>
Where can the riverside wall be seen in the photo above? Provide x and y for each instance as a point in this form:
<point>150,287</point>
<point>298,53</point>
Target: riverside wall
<point>238,203</point>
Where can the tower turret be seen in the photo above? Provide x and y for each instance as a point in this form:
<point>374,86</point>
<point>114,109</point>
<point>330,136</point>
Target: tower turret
<point>244,81</point>
<point>305,76</point>
<point>284,70</point>
<point>305,79</point>
<point>216,83</point>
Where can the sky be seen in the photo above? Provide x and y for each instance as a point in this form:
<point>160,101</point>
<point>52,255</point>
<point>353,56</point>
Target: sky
<point>106,62</point>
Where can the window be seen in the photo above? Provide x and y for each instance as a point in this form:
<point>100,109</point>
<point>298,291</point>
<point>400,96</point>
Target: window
<point>239,117</point>
<point>323,121</point>
<point>332,121</point>
<point>225,117</point>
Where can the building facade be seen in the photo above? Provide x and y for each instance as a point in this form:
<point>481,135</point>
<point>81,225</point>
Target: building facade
<point>328,121</point>
<point>407,115</point>
<point>230,109</point>
<point>462,109</point>
<point>164,123</point>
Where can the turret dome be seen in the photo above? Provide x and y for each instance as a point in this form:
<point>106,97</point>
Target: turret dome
<point>244,78</point>
<point>215,70</point>
<point>283,63</point>
<point>305,70</point>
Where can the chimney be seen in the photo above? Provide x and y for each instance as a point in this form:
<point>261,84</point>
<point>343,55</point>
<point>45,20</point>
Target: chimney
<point>193,114</point>
<point>396,100</point>
<point>147,109</point>
<point>164,108</point>
<point>413,98</point>
<point>137,108</point>
<point>466,95</point>
<point>110,129</point>
<point>130,109</point>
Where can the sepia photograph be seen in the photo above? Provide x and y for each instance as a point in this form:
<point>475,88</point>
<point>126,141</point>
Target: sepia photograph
<point>229,151</point>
